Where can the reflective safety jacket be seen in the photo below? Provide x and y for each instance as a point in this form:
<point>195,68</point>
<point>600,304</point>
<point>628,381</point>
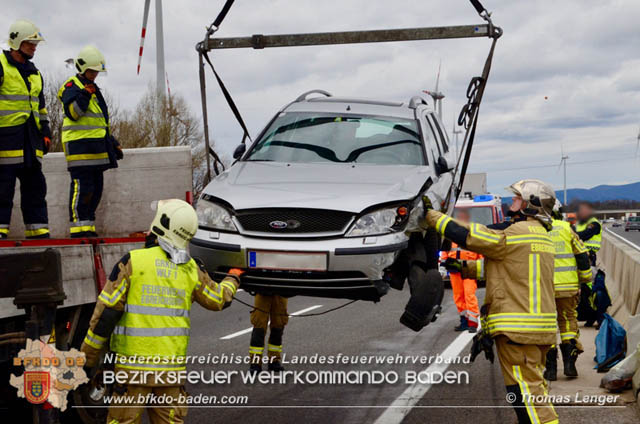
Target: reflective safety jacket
<point>85,129</point>
<point>572,265</point>
<point>519,262</point>
<point>465,256</point>
<point>143,313</point>
<point>21,98</point>
<point>594,242</point>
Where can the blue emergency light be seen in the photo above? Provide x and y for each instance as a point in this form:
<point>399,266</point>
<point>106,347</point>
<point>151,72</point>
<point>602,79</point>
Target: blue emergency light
<point>483,198</point>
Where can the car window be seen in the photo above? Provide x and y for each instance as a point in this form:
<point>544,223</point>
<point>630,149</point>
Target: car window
<point>306,137</point>
<point>430,139</point>
<point>443,146</point>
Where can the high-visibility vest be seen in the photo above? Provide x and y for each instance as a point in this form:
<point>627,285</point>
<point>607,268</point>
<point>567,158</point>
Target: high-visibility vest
<point>17,103</point>
<point>594,242</point>
<point>90,126</point>
<point>565,276</point>
<point>155,324</point>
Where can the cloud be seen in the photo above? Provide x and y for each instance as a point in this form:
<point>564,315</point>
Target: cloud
<point>564,74</point>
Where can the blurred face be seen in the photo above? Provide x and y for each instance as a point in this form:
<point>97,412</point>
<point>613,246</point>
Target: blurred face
<point>28,48</point>
<point>463,216</point>
<point>517,204</point>
<point>584,212</point>
<point>91,75</point>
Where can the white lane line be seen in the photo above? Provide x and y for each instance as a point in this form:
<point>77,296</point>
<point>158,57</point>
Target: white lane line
<point>248,330</point>
<point>400,407</point>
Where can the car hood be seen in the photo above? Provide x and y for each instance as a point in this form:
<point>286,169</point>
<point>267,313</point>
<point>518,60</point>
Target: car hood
<point>345,187</point>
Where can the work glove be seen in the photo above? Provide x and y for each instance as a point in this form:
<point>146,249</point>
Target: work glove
<point>90,88</point>
<point>453,265</point>
<point>119,152</point>
<point>426,204</point>
<point>236,273</point>
<point>47,144</point>
<point>482,342</point>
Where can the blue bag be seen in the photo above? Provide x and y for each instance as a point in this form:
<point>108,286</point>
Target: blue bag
<point>610,344</point>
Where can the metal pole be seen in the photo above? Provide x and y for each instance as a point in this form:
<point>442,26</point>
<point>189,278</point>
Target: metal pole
<point>259,41</point>
<point>160,73</point>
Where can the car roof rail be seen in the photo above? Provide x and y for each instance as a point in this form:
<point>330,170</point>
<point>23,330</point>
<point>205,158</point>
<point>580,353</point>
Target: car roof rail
<point>304,95</point>
<point>415,101</point>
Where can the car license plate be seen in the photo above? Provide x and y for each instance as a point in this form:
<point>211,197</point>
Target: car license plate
<point>292,261</point>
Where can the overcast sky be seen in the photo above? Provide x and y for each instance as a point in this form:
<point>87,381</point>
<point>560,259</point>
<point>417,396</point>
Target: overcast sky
<point>565,73</point>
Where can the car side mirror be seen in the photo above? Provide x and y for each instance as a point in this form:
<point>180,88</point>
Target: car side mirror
<point>239,151</point>
<point>442,165</point>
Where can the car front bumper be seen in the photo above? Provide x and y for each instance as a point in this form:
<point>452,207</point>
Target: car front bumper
<point>354,265</point>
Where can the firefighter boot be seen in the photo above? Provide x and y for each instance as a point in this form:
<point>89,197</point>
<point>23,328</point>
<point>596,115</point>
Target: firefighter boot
<point>274,350</point>
<point>551,367</point>
<point>256,348</point>
<point>569,357</point>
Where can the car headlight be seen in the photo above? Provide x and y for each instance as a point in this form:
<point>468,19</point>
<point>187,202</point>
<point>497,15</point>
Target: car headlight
<point>383,221</point>
<point>213,216</point>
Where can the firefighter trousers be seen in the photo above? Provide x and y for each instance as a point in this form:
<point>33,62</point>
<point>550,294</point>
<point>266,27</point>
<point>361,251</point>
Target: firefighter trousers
<point>84,197</point>
<point>269,311</point>
<point>33,191</point>
<point>168,405</point>
<point>464,295</point>
<point>568,319</point>
<point>522,366</point>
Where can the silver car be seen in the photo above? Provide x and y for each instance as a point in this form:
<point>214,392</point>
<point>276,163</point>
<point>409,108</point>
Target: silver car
<point>327,198</point>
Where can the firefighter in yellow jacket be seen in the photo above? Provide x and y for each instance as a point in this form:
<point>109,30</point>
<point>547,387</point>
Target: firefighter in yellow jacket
<point>519,312</point>
<point>142,314</point>
<point>572,267</point>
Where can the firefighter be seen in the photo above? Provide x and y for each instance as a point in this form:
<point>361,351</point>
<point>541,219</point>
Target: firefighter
<point>269,310</point>
<point>589,230</point>
<point>572,267</point>
<point>89,147</point>
<point>142,314</point>
<point>464,289</point>
<point>24,132</point>
<point>519,311</point>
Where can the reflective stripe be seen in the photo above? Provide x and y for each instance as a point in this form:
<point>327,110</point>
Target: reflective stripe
<point>11,112</point>
<point>483,235</point>
<point>212,295</point>
<point>569,335</point>
<point>151,332</point>
<point>524,390</point>
<point>82,229</point>
<point>111,300</point>
<point>95,341</point>
<point>534,283</point>
<point>83,127</point>
<point>35,226</point>
<point>528,239</point>
<point>11,153</point>
<point>19,97</point>
<point>93,115</point>
<point>75,110</point>
<point>85,223</point>
<point>275,348</point>
<point>564,255</point>
<point>229,286</point>
<point>158,311</point>
<point>87,162</point>
<point>38,232</point>
<point>480,269</point>
<point>11,161</point>
<point>74,200</point>
<point>565,268</point>
<point>4,230</point>
<point>442,222</point>
<point>546,328</point>
<point>256,350</point>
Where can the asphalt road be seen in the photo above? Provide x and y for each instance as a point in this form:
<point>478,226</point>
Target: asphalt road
<point>359,329</point>
<point>632,236</point>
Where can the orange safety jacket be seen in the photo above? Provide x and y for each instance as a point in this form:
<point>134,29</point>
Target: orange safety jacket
<point>460,254</point>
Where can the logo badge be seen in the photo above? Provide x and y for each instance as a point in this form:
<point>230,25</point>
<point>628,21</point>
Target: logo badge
<point>36,386</point>
<point>278,225</point>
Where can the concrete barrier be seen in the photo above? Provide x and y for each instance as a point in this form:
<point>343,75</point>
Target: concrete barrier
<point>621,262</point>
<point>144,175</point>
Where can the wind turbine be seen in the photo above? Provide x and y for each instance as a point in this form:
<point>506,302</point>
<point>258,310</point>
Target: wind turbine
<point>436,95</point>
<point>563,161</point>
<point>160,73</point>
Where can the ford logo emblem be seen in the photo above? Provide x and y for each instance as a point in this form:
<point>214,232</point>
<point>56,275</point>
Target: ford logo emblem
<point>278,225</point>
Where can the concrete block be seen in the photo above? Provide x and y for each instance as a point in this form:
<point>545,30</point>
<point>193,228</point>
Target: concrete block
<point>144,175</point>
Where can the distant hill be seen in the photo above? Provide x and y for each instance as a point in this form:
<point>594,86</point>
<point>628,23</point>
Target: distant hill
<point>602,193</point>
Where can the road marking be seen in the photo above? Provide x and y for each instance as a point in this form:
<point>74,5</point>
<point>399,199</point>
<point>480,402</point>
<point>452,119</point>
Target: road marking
<point>248,330</point>
<point>620,237</point>
<point>403,404</point>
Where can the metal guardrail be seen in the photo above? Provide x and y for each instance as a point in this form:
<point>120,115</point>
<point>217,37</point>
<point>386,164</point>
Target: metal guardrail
<point>619,237</point>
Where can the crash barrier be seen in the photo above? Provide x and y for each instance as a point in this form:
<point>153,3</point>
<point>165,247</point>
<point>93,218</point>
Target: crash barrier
<point>621,262</point>
<point>144,175</point>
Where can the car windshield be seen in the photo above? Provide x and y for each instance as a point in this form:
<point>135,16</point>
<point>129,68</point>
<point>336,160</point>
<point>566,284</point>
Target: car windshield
<point>479,214</point>
<point>311,137</point>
